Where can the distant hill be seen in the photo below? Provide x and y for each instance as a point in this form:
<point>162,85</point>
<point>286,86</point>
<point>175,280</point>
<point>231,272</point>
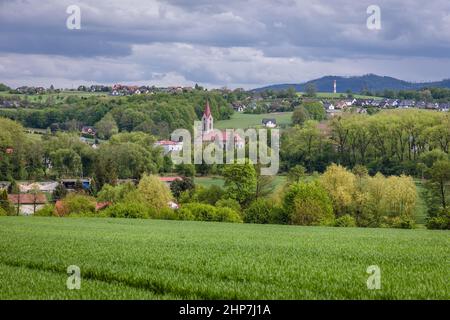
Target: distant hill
<point>370,82</point>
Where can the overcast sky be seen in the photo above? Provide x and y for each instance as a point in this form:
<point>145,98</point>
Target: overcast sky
<point>233,43</point>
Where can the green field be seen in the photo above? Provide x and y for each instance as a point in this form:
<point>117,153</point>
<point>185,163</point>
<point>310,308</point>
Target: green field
<point>209,181</point>
<point>243,121</point>
<point>151,259</point>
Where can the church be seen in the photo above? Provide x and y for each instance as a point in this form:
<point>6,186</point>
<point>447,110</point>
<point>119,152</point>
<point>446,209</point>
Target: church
<point>210,135</point>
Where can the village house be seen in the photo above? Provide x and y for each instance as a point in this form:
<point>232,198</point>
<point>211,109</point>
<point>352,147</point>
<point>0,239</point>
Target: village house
<point>329,106</point>
<point>238,107</point>
<point>444,107</point>
<point>405,104</point>
<point>88,131</point>
<point>421,104</point>
<point>71,184</point>
<point>169,146</point>
<point>269,123</point>
<point>47,186</point>
<point>342,105</point>
<point>350,102</point>
<point>27,204</point>
<point>432,106</point>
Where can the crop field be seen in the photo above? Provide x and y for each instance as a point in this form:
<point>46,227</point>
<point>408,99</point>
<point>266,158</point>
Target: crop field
<point>152,259</point>
<point>243,121</point>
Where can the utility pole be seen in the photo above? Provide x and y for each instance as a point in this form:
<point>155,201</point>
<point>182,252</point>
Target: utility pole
<point>18,202</point>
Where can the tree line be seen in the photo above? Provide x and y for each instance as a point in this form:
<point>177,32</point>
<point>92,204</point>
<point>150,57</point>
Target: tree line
<point>390,142</point>
<point>157,114</point>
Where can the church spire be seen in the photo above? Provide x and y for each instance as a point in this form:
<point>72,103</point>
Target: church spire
<point>207,112</point>
<point>207,119</point>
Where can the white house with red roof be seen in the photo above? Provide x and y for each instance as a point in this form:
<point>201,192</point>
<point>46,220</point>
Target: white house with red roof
<point>169,146</point>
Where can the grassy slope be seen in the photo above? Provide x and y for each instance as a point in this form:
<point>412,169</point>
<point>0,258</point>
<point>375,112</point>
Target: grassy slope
<point>174,259</point>
<point>243,121</point>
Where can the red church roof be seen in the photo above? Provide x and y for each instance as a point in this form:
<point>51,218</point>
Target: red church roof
<point>207,111</point>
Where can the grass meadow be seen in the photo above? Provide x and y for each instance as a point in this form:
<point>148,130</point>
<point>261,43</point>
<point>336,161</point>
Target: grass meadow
<point>241,120</point>
<point>153,259</point>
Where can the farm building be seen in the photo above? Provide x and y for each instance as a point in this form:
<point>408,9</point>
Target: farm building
<point>28,203</point>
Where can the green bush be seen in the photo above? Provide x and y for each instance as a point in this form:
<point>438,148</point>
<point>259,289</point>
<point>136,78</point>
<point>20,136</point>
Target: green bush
<point>202,212</point>
<point>206,212</point>
<point>164,214</point>
<point>47,211</point>
<point>76,203</point>
<point>229,203</point>
<point>403,222</point>
<point>185,214</point>
<point>279,215</point>
<point>260,211</point>
<point>441,222</point>
<point>308,203</point>
<point>6,206</point>
<point>228,215</point>
<point>132,210</point>
<point>2,212</point>
<point>208,195</point>
<point>345,221</point>
<point>115,194</point>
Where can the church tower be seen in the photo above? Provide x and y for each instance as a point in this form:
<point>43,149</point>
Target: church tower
<point>207,119</point>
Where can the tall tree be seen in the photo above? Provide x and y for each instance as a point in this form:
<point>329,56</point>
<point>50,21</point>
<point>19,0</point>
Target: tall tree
<point>240,182</point>
<point>440,176</point>
<point>153,192</point>
<point>311,90</point>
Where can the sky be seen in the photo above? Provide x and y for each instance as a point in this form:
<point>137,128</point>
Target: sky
<point>220,43</point>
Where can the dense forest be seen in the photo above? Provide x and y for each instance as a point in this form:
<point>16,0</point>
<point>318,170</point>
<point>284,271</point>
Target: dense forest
<point>157,114</point>
<point>391,142</point>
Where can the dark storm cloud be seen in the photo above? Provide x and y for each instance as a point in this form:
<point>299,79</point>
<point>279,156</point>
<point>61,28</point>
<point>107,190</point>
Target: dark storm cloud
<point>225,41</point>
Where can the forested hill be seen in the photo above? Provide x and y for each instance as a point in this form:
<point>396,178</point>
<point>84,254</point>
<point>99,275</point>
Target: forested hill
<point>157,114</point>
<point>369,82</point>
